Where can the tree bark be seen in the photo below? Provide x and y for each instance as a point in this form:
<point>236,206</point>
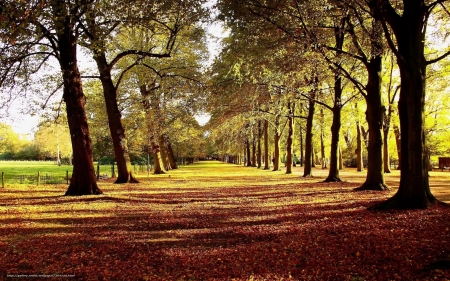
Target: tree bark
<point>163,152</point>
<point>386,156</point>
<point>157,160</point>
<point>302,158</point>
<point>409,29</point>
<point>333,172</point>
<point>258,151</point>
<point>359,158</point>
<point>254,152</point>
<point>247,147</point>
<point>83,181</point>
<point>125,172</point>
<point>375,114</point>
<point>266,146</point>
<point>308,161</point>
<point>289,158</point>
<point>322,150</point>
<point>150,103</point>
<point>277,136</point>
<point>170,154</point>
<point>399,146</point>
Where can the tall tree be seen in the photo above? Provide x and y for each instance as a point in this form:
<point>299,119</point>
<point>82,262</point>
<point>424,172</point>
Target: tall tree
<point>408,23</point>
<point>43,30</point>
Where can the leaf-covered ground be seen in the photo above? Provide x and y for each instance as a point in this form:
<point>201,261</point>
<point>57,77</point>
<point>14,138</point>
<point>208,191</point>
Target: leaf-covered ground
<point>213,221</point>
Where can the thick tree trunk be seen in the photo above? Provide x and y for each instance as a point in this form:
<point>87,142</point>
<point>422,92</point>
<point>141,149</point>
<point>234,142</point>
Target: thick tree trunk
<point>83,181</point>
<point>375,115</point>
<point>157,161</point>
<point>333,173</point>
<point>409,28</point>
<point>164,153</point>
<point>172,159</point>
<point>266,146</point>
<point>125,172</point>
<point>289,158</point>
<point>359,158</point>
<point>308,161</point>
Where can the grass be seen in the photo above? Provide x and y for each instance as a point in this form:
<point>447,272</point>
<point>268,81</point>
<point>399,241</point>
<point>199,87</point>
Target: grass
<point>215,221</point>
<point>33,167</point>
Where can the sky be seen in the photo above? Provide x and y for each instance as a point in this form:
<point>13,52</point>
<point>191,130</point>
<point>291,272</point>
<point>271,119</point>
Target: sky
<point>26,125</point>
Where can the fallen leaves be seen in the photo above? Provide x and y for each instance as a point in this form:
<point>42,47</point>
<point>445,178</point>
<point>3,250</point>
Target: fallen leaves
<point>167,229</point>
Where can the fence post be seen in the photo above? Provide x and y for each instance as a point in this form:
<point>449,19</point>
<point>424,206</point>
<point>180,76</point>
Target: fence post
<point>3,179</point>
<point>98,170</point>
<point>38,178</point>
<point>113,174</point>
<point>67,177</point>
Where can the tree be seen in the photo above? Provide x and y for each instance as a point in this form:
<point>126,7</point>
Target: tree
<point>34,32</point>
<point>408,23</point>
<point>54,140</point>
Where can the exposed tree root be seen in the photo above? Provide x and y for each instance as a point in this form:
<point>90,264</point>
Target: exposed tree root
<point>398,203</point>
<point>332,179</point>
<point>372,186</point>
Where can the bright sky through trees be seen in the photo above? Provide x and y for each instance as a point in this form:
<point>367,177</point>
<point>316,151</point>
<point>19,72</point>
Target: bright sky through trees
<point>25,124</point>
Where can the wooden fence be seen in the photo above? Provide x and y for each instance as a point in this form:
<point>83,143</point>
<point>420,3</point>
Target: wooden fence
<point>54,178</point>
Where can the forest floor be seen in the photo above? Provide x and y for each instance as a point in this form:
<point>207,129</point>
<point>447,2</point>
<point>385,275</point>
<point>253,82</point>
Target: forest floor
<point>215,221</point>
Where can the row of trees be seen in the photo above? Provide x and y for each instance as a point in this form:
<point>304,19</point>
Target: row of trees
<point>283,61</point>
<point>286,60</point>
<point>139,48</point>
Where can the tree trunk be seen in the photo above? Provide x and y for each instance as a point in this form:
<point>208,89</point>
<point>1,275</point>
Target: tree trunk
<point>386,156</point>
<point>172,159</point>
<point>333,173</point>
<point>313,156</point>
<point>164,154</point>
<point>247,146</point>
<point>276,157</point>
<point>302,158</point>
<point>289,158</point>
<point>83,181</point>
<point>150,103</point>
<point>308,161</point>
<point>157,160</point>
<point>359,158</point>
<point>399,146</point>
<point>258,153</point>
<point>409,28</point>
<point>125,172</point>
<point>322,150</point>
<point>375,115</point>
<point>254,152</point>
<point>266,146</point>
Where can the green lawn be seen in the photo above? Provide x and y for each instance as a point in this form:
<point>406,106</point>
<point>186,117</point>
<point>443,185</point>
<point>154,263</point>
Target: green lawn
<point>25,172</point>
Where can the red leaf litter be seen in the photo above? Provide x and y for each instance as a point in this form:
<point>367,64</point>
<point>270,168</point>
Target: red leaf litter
<point>307,231</point>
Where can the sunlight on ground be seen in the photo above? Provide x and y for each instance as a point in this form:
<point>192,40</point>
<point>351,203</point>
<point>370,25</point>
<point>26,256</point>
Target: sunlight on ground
<point>245,223</point>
